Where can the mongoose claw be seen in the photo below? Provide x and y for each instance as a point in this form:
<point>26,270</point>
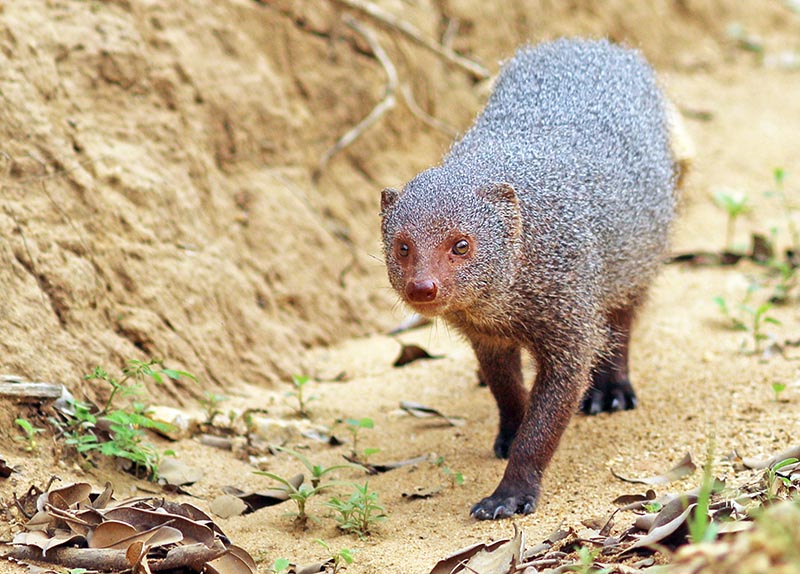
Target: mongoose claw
<point>608,396</point>
<point>494,507</point>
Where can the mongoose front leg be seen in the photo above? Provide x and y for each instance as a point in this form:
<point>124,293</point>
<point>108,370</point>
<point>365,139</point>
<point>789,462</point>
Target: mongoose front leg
<point>553,399</point>
<point>501,369</point>
<point>611,388</point>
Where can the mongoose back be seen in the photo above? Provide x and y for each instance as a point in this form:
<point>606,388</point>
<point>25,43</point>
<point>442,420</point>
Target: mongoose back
<point>541,229</point>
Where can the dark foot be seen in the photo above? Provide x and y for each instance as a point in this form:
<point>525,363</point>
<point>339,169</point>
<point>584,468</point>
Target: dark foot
<point>494,507</point>
<point>606,395</point>
<point>502,444</point>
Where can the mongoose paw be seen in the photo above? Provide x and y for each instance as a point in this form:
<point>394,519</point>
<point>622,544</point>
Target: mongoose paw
<point>494,507</point>
<point>606,395</point>
<point>502,444</point>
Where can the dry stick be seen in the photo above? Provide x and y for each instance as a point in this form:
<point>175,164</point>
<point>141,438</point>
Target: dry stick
<point>424,116</point>
<point>392,21</point>
<point>387,103</point>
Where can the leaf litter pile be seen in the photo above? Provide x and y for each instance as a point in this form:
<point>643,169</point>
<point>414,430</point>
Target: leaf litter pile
<point>73,527</point>
<point>754,527</point>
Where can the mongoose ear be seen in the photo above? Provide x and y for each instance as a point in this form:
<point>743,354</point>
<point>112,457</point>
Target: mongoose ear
<point>504,199</point>
<point>389,197</point>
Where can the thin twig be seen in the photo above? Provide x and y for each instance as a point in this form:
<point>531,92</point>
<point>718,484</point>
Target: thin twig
<point>388,19</point>
<point>424,116</point>
<point>387,103</point>
<point>450,32</point>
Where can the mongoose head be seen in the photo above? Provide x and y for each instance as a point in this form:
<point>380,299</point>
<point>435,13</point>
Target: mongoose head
<point>449,246</point>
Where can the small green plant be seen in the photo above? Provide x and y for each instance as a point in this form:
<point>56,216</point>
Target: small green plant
<point>125,438</point>
<point>133,377</point>
<point>30,434</point>
<point>300,494</point>
<point>758,317</point>
<point>299,382</point>
<point>734,204</point>
<point>778,388</point>
<point>585,564</point>
<point>210,403</point>
<point>280,566</point>
<point>701,527</point>
<point>787,207</point>
<point>787,281</point>
<point>749,318</point>
<point>652,507</point>
<point>355,426</point>
<point>318,471</point>
<point>360,513</point>
<point>119,432</point>
<point>340,558</point>
<point>455,477</point>
<point>775,481</point>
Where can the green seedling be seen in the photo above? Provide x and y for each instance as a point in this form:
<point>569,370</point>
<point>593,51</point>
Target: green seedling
<point>125,439</point>
<point>300,495</point>
<point>210,403</point>
<point>355,426</point>
<point>787,207</point>
<point>360,513</point>
<point>318,471</point>
<point>119,432</point>
<point>734,204</point>
<point>778,388</point>
<point>745,40</point>
<point>298,393</point>
<point>134,375</point>
<point>30,434</point>
<point>749,318</point>
<point>280,566</point>
<point>775,481</point>
<point>341,558</point>
<point>701,527</point>
<point>787,281</point>
<point>455,477</point>
<point>585,564</point>
<point>652,507</point>
<point>758,317</point>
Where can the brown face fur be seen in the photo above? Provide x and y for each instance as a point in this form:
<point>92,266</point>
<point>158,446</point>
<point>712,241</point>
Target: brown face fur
<point>428,278</point>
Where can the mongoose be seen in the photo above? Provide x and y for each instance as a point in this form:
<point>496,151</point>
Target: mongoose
<point>541,230</point>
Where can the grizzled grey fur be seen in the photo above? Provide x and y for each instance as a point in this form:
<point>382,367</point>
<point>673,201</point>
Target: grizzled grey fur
<point>564,189</point>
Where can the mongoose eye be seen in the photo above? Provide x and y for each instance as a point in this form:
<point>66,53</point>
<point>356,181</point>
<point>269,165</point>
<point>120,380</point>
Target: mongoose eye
<point>461,247</point>
<point>402,251</point>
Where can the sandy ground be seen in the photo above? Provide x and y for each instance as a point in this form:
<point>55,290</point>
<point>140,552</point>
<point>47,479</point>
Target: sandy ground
<point>693,381</point>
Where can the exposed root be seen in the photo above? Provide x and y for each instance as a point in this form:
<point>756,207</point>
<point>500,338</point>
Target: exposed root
<point>388,102</point>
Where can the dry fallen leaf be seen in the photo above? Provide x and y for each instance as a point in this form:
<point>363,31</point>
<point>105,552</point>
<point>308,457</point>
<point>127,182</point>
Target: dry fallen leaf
<point>684,468</point>
<point>410,322</point>
<point>141,535</point>
<point>668,520</point>
<point>754,463</point>
<point>227,505</point>
<point>177,473</point>
<point>499,557</point>
<point>423,412</point>
<point>5,470</point>
<point>422,492</point>
<point>257,500</point>
<point>411,353</point>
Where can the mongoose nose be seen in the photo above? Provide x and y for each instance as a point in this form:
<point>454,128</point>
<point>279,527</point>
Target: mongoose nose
<point>423,291</point>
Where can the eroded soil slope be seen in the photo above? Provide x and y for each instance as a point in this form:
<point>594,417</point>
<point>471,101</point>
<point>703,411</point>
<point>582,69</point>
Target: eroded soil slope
<point>158,198</point>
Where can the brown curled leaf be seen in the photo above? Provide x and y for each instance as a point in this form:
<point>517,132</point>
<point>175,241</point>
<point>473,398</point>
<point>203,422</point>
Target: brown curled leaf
<point>684,468</point>
<point>410,353</point>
